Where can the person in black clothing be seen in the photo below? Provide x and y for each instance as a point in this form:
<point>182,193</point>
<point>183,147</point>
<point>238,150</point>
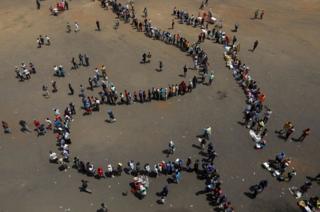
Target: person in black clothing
<point>81,60</point>
<point>185,70</point>
<point>71,89</point>
<point>98,25</point>
<point>103,208</point>
<point>144,58</point>
<point>66,4</point>
<point>86,59</point>
<point>38,4</point>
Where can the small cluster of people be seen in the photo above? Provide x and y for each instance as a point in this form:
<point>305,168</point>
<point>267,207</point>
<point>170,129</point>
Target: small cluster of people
<point>288,129</point>
<point>311,204</point>
<point>278,166</point>
<point>258,14</point>
<point>24,71</point>
<point>76,27</point>
<point>83,61</point>
<point>58,71</point>
<point>61,6</point>
<point>41,41</point>
<point>203,19</point>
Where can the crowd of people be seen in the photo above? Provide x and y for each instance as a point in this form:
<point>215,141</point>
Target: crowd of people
<point>256,115</point>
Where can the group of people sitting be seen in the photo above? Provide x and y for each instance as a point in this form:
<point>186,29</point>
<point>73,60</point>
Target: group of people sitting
<point>24,72</point>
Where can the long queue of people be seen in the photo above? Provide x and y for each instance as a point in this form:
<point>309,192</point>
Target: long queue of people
<point>203,168</point>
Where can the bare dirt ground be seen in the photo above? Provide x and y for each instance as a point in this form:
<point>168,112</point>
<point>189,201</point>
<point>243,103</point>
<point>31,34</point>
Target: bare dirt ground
<point>285,66</point>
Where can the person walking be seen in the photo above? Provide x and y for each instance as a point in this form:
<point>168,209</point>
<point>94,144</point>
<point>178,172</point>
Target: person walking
<point>24,126</point>
<point>304,134</point>
<point>98,25</point>
<point>255,45</point>
<point>70,89</point>
<point>289,132</point>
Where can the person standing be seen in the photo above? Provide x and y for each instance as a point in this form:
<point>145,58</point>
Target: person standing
<point>86,59</point>
<point>70,89</point>
<point>145,11</point>
<point>5,127</point>
<point>256,13</point>
<point>98,25</point>
<point>68,27</point>
<point>255,45</point>
<point>38,4</point>
<point>39,42</point>
<point>111,116</point>
<point>47,40</point>
<point>54,86</point>
<point>76,27</point>
<point>160,65</point>
<point>234,40</point>
<point>74,64</point>
<point>172,24</point>
<point>185,70</point>
<point>211,77</point>
<point>66,4</point>
<point>80,60</point>
<point>236,27</point>
<point>144,58</point>
<point>261,14</point>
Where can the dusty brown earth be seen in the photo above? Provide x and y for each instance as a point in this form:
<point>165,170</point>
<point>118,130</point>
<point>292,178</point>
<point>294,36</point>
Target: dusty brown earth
<point>285,65</point>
